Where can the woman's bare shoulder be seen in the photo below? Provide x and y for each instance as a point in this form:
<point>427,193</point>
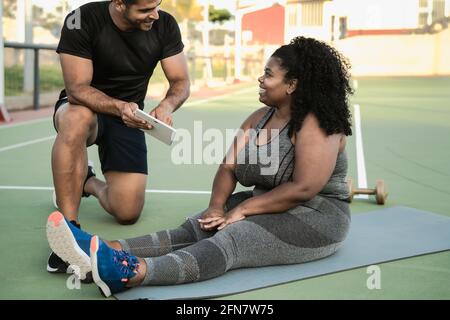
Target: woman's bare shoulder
<point>255,117</point>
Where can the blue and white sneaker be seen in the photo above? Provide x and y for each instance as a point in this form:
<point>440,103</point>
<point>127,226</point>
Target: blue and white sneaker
<point>111,269</point>
<point>71,244</point>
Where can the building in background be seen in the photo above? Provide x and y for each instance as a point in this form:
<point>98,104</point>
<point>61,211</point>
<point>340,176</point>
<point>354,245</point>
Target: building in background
<point>331,20</point>
<point>262,22</point>
<point>380,37</point>
<point>259,29</point>
<point>338,19</point>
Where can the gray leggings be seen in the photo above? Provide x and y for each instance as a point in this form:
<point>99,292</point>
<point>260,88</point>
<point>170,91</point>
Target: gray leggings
<point>308,232</point>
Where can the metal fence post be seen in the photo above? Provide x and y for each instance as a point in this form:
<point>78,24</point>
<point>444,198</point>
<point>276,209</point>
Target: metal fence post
<point>36,76</point>
<point>36,80</point>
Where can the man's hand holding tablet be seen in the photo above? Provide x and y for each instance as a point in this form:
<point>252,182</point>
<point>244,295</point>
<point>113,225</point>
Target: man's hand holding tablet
<point>160,130</point>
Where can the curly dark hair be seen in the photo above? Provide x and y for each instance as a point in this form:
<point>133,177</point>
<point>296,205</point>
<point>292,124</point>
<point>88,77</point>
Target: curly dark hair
<point>323,84</point>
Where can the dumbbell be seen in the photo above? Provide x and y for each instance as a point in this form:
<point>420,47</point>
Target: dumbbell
<point>379,191</point>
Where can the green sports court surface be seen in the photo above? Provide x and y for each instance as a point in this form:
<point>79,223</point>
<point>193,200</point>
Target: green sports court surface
<point>406,141</point>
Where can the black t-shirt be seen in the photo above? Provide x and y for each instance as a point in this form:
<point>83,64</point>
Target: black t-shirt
<point>123,62</point>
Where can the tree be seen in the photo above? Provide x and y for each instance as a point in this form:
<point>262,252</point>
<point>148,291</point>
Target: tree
<point>186,12</point>
<point>183,9</point>
<point>53,20</point>
<point>9,8</point>
<point>218,15</point>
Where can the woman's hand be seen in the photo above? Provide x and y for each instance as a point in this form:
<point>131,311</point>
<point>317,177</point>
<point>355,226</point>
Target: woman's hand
<point>232,216</point>
<point>211,219</point>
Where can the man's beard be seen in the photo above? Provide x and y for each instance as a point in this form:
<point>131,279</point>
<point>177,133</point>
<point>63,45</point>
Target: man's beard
<point>136,24</point>
<point>131,22</point>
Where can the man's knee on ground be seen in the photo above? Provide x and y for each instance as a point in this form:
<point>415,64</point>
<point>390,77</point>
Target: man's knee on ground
<point>127,221</point>
<point>125,195</point>
<point>128,214</point>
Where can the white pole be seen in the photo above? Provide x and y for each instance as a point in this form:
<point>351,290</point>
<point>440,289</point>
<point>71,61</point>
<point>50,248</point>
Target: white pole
<point>25,34</point>
<point>20,21</point>
<point>2,66</point>
<point>238,46</point>
<point>361,162</point>
<point>430,12</point>
<point>29,54</point>
<point>207,71</point>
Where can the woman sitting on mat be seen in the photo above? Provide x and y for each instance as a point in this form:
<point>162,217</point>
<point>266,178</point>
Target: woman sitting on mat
<point>296,213</point>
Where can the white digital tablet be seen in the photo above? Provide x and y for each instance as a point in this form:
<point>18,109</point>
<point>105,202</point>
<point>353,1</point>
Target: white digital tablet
<point>160,131</point>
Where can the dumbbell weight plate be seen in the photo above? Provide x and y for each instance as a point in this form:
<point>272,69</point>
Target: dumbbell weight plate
<point>350,188</point>
<point>381,193</point>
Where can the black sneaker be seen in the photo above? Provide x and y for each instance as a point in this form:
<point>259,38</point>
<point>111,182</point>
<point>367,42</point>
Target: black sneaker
<point>56,265</point>
<point>90,173</point>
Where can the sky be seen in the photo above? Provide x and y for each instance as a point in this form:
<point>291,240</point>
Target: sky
<point>50,4</point>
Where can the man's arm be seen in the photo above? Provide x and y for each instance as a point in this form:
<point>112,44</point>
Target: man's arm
<point>77,73</point>
<point>176,71</point>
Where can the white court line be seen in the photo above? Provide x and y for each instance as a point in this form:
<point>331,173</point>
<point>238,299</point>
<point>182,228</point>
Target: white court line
<point>177,191</point>
<point>197,102</point>
<point>29,188</point>
<point>12,125</point>
<point>190,104</point>
<point>23,144</point>
<point>362,176</point>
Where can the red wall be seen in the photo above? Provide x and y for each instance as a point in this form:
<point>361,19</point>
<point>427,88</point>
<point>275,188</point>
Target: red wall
<point>267,25</point>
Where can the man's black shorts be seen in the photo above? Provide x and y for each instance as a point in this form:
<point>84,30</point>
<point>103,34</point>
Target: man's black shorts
<point>120,148</point>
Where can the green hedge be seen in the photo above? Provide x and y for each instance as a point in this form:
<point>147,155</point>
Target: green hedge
<point>52,80</point>
<point>50,76</point>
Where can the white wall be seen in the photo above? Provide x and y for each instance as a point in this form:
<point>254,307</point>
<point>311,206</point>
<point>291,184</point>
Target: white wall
<point>378,14</point>
<point>361,15</point>
<point>398,55</point>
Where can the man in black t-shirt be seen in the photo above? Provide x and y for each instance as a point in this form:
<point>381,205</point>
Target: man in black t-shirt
<point>108,51</point>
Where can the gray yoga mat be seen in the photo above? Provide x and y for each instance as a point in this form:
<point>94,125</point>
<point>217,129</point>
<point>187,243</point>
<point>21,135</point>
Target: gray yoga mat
<point>374,237</point>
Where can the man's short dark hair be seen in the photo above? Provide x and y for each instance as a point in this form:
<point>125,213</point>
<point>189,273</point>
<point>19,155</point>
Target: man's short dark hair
<point>129,2</point>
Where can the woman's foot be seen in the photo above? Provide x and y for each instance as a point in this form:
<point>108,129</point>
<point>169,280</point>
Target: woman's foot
<point>70,243</point>
<point>113,270</point>
<point>113,244</point>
